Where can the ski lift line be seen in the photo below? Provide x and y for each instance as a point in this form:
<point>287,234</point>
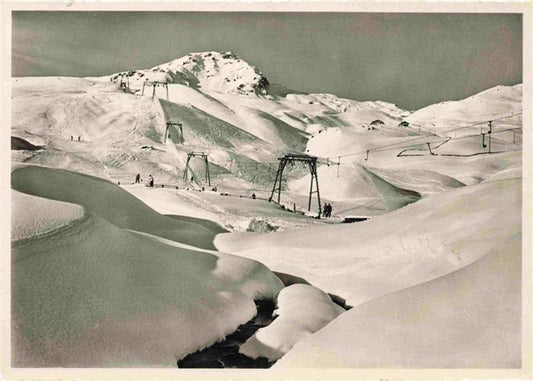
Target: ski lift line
<point>439,142</point>
<point>411,145</point>
<point>393,146</point>
<point>445,140</point>
<point>379,148</point>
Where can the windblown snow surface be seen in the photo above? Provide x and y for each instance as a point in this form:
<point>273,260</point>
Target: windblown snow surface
<point>110,273</point>
<point>99,294</point>
<point>433,238</point>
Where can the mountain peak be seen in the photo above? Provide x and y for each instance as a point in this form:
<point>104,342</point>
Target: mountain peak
<point>222,72</point>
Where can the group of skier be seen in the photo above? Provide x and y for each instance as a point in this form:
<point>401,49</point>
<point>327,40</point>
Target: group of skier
<point>327,210</point>
<point>150,183</point>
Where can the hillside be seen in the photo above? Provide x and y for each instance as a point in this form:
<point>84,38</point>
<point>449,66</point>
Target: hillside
<point>110,272</point>
<point>122,133</point>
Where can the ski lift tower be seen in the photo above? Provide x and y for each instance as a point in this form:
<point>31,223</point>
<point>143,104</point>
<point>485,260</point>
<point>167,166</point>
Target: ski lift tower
<point>155,84</point>
<point>306,159</point>
<point>188,169</point>
<point>177,126</point>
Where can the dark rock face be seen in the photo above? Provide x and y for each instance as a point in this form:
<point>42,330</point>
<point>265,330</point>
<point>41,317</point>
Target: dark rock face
<point>261,87</point>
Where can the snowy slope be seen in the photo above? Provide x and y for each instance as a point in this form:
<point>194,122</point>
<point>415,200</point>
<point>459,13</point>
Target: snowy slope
<point>110,202</point>
<point>98,295</point>
<point>357,182</point>
<point>445,125</point>
<point>492,103</point>
<point>470,318</point>
<point>45,217</point>
<point>244,132</point>
<point>417,243</point>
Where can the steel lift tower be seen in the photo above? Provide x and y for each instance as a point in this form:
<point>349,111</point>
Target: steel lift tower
<point>306,159</point>
<point>188,169</point>
<point>179,127</point>
<point>155,84</point>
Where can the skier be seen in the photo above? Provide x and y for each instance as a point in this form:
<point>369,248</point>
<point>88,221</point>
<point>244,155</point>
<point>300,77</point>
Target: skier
<point>253,196</point>
<point>150,181</point>
<point>79,138</point>
<point>71,138</point>
<point>138,178</point>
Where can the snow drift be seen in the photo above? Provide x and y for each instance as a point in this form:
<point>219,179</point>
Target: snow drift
<point>417,243</point>
<point>459,249</point>
<point>46,216</point>
<point>97,295</point>
<point>470,318</point>
<point>110,202</point>
<point>301,311</point>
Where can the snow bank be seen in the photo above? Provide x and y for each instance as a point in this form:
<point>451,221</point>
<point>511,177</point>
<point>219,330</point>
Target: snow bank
<point>415,244</point>
<point>470,318</point>
<point>97,295</point>
<point>302,310</point>
<point>422,181</point>
<point>44,217</point>
<point>110,202</point>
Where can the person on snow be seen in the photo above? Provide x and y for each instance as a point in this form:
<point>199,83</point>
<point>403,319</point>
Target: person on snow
<point>253,196</point>
<point>138,178</point>
<point>327,210</point>
<point>150,181</point>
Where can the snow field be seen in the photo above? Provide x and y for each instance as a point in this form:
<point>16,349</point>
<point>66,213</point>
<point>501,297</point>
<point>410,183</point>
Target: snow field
<point>415,244</point>
<point>110,202</point>
<point>470,318</point>
<point>486,105</point>
<point>98,295</point>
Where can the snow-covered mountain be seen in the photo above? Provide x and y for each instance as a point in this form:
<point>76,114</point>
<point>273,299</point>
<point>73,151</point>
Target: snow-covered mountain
<point>90,257</point>
<point>211,71</point>
<point>224,109</point>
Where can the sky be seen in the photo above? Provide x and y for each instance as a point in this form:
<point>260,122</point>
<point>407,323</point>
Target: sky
<point>409,59</point>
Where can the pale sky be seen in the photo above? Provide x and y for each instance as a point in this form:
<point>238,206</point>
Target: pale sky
<point>409,59</point>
